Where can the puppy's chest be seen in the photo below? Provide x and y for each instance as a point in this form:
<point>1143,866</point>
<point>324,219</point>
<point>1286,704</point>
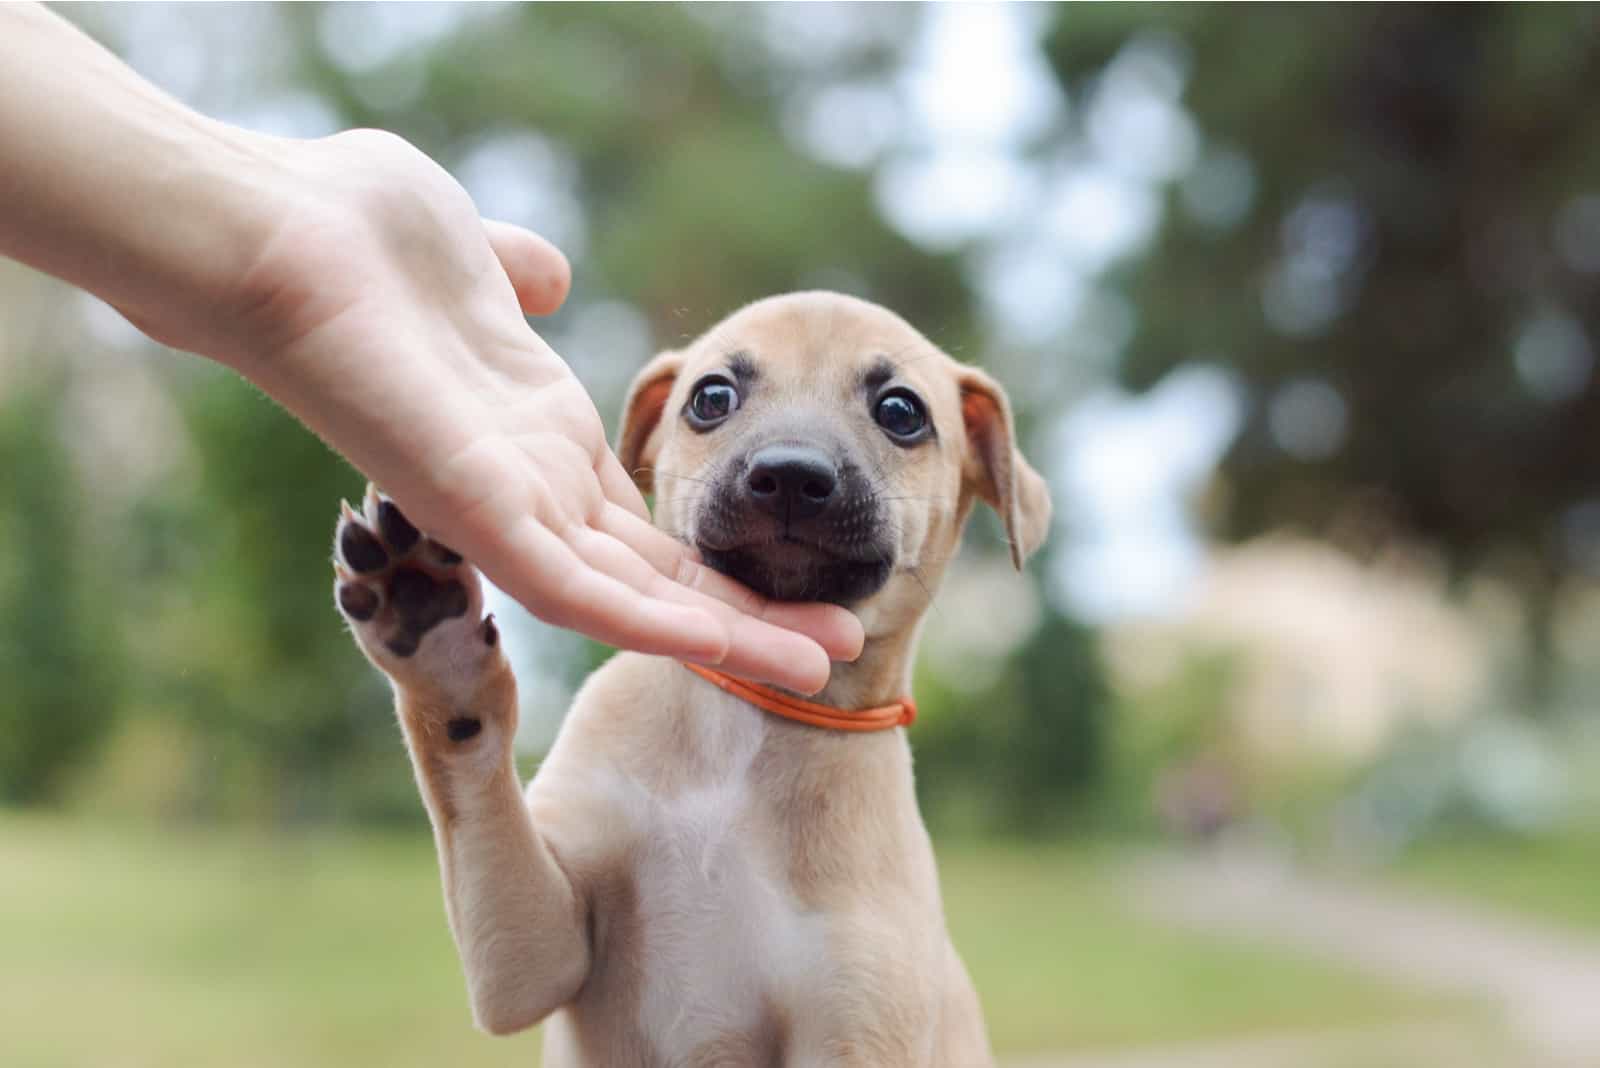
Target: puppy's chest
<point>723,945</point>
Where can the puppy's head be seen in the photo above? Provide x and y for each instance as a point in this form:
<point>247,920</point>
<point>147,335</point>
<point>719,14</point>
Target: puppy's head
<point>816,447</point>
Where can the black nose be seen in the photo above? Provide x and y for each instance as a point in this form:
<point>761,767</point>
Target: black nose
<point>791,481</point>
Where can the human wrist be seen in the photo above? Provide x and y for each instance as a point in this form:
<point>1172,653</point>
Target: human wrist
<point>186,286</point>
<point>122,190</point>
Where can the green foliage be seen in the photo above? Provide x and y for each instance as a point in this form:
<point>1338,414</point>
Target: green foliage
<point>1025,754</point>
<point>57,661</point>
<point>1157,732</point>
<point>1411,167</point>
<point>697,202</point>
<point>282,698</point>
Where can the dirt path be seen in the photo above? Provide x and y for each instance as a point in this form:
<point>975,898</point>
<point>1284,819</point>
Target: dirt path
<point>1544,983</point>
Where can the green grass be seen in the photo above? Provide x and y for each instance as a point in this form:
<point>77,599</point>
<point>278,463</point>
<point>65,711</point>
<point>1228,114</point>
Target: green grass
<point>140,947</point>
<point>1554,878</point>
<point>1062,962</point>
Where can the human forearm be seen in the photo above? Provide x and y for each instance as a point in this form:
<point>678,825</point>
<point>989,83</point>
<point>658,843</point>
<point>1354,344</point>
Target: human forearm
<point>116,187</point>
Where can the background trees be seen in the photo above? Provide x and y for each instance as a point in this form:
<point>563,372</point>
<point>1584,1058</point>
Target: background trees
<point>1408,295</point>
<point>1373,236</point>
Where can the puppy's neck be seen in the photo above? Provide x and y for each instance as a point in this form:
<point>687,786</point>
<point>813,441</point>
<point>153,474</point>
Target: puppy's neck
<point>880,676</point>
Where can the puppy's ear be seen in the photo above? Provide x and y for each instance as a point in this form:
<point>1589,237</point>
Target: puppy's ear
<point>996,471</point>
<point>640,439</point>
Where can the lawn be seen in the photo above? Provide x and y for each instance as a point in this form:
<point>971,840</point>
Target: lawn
<point>134,947</point>
<point>1554,878</point>
<point>1063,962</point>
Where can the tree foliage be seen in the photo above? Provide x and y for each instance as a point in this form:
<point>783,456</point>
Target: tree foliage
<point>55,654</point>
<point>1410,299</point>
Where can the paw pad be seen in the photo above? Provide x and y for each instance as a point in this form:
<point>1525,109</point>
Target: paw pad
<point>361,550</point>
<point>358,602</point>
<point>397,529</point>
<point>394,581</point>
<point>462,728</point>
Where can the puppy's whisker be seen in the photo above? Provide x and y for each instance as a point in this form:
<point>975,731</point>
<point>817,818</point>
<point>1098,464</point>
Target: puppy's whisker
<point>681,498</point>
<point>916,575</point>
<point>908,361</point>
<point>659,473</point>
<point>909,569</point>
<point>879,489</point>
<point>930,344</point>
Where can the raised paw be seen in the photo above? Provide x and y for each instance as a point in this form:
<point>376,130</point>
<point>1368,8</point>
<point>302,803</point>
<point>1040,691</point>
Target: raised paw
<point>414,605</point>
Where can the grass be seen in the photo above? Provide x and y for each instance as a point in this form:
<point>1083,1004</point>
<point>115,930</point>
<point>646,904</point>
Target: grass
<point>1554,877</point>
<point>142,947</point>
<point>1062,962</point>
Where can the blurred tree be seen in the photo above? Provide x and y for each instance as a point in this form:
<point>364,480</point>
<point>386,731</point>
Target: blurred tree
<point>1392,235</point>
<point>1025,754</point>
<point>57,654</point>
<point>284,705</point>
<point>693,201</point>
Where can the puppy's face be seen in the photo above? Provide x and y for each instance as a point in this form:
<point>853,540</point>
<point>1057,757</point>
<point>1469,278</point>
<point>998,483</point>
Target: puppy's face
<point>816,447</point>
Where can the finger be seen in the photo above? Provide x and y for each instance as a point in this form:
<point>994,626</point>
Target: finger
<point>836,629</point>
<point>794,663</point>
<point>555,584</point>
<point>756,649</point>
<point>538,271</point>
<point>619,488</point>
<point>666,554</point>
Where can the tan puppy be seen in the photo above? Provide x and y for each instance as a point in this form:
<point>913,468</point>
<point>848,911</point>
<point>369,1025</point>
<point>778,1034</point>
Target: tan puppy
<point>689,880</point>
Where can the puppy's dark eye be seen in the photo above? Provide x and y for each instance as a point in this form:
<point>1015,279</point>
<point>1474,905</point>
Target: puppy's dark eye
<point>901,413</point>
<point>713,400</point>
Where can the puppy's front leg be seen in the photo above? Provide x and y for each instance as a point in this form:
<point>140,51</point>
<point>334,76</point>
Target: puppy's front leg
<point>415,608</point>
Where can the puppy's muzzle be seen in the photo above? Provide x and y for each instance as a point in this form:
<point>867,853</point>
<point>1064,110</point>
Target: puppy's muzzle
<point>796,520</point>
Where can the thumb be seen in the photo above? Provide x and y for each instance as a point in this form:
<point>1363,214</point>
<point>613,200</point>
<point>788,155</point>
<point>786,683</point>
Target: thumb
<point>538,271</point>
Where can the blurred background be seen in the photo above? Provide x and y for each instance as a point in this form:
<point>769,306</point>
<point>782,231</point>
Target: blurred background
<point>1284,752</point>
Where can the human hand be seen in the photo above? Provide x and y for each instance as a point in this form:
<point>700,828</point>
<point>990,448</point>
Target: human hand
<point>382,312</point>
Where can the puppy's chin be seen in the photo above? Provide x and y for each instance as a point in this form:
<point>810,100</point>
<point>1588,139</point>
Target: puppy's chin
<point>794,571</point>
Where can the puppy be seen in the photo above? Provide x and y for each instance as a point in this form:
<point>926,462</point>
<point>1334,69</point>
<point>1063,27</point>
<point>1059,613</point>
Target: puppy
<point>691,880</point>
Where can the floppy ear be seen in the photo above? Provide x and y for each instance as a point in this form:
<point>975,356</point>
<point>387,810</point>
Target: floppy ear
<point>640,439</point>
<point>996,471</point>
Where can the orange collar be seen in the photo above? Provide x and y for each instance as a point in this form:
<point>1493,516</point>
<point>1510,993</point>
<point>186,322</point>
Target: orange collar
<point>902,713</point>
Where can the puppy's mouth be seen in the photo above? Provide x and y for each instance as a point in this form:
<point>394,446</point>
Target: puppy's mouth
<point>790,568</point>
<point>794,522</point>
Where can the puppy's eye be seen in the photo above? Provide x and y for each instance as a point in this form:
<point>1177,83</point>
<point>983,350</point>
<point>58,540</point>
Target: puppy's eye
<point>713,400</point>
<point>900,412</point>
